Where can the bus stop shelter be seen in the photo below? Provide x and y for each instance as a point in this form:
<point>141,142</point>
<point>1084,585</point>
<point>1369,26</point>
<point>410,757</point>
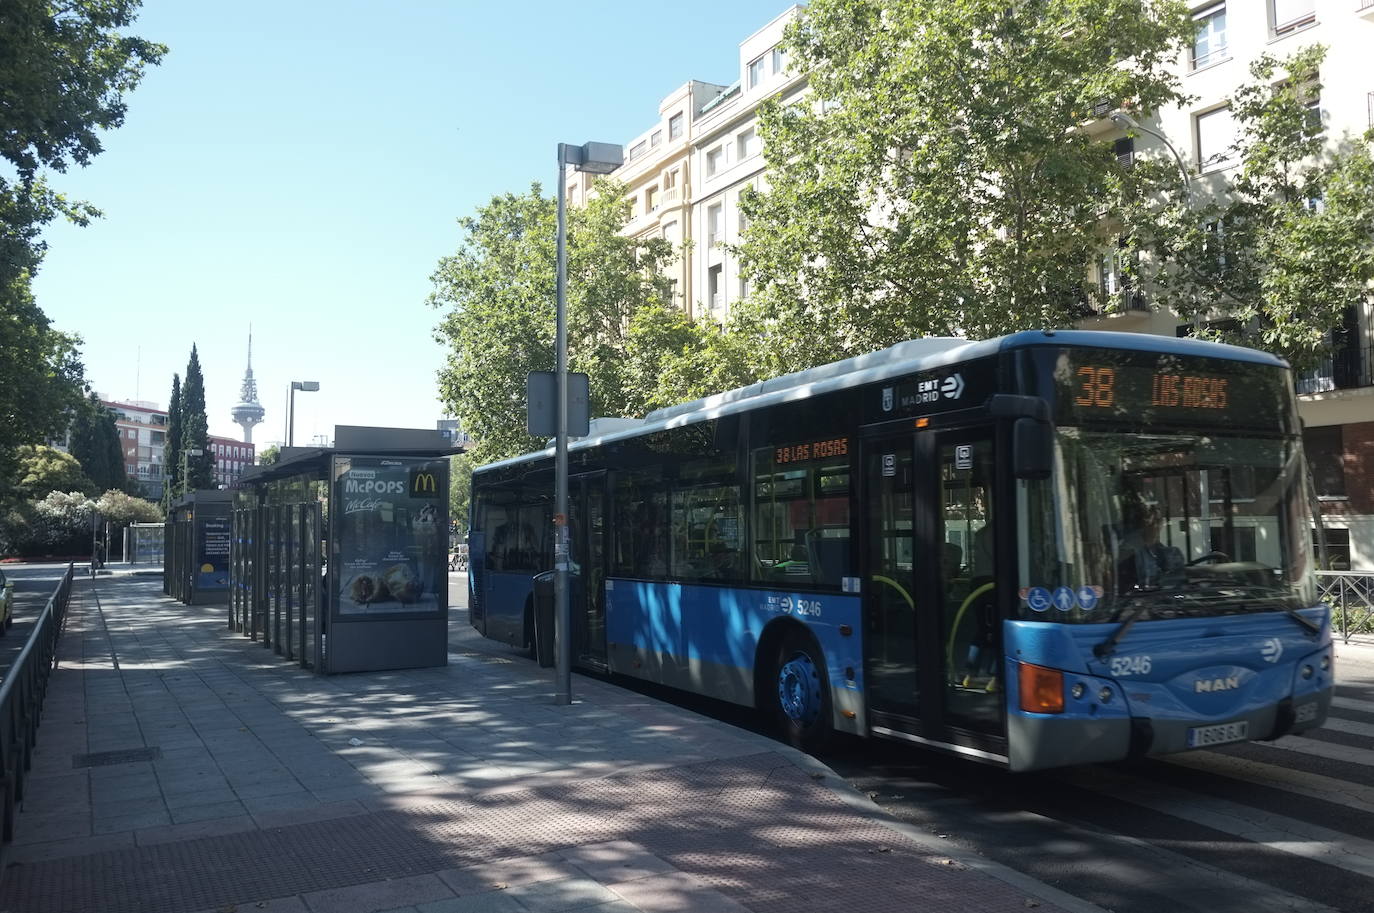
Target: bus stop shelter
<point>339,555</point>
<point>196,548</point>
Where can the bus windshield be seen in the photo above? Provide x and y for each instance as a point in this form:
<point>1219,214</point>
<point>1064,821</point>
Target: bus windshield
<point>1165,525</point>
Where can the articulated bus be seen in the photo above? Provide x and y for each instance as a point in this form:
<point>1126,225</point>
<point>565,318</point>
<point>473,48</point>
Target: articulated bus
<point>1045,549</point>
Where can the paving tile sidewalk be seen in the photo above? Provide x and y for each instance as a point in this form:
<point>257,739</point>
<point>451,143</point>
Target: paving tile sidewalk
<point>181,767</point>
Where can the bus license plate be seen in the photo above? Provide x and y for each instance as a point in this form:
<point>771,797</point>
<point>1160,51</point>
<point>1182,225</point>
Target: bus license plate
<point>1202,736</point>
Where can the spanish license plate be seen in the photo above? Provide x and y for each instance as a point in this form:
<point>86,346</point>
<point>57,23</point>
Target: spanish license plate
<point>1203,736</point>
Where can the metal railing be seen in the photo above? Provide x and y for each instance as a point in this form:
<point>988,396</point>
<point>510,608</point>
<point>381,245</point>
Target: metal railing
<point>21,702</point>
<point>1351,597</point>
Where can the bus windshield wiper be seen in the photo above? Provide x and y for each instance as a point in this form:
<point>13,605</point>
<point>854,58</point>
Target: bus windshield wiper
<point>1108,646</point>
<point>1312,627</point>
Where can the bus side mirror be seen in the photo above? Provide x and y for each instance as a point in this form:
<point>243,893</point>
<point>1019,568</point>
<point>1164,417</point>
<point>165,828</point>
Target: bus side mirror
<point>1032,448</point>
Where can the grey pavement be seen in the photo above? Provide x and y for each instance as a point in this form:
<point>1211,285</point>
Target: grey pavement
<point>183,767</point>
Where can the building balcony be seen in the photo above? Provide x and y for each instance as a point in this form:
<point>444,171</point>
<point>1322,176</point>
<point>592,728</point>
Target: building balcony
<point>1346,368</point>
<point>1366,9</point>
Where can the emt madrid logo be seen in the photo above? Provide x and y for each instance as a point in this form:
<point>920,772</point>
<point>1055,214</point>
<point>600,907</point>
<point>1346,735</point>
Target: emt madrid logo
<point>424,483</point>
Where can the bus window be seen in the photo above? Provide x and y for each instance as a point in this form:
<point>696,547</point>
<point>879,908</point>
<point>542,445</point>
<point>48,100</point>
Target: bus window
<point>706,529</point>
<point>801,514</point>
<point>641,527</point>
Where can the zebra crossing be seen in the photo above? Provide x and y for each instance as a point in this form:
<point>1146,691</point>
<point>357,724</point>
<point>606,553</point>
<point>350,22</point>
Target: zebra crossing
<point>1264,827</point>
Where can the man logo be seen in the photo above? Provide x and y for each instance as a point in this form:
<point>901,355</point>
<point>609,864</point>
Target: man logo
<point>424,484</point>
<point>1210,685</point>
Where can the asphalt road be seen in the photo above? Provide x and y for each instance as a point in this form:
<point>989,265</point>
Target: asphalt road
<point>1260,827</point>
<point>33,584</point>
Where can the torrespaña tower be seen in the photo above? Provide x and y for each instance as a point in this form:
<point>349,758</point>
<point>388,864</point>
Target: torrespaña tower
<point>249,411</point>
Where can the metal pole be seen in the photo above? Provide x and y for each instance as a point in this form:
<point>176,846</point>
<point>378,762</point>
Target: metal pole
<point>562,607</point>
<point>291,419</point>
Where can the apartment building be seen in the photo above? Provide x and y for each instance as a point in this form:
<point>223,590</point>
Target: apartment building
<point>1336,400</point>
<point>142,430</point>
<point>727,157</point>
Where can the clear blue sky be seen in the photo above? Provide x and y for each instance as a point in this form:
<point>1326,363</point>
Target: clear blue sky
<point>301,166</point>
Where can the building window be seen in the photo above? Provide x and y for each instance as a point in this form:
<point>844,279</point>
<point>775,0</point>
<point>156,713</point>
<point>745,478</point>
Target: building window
<point>779,60</point>
<point>714,280</point>
<point>656,138</point>
<point>1209,41</point>
<point>743,287</point>
<point>1216,134</point>
<point>1287,16</point>
<point>1324,447</point>
<point>715,225</point>
<point>715,160</point>
<point>1124,150</point>
<point>675,126</point>
<point>747,144</point>
<point>670,179</point>
<point>651,199</point>
<point>1337,549</point>
<point>638,149</point>
<point>755,73</point>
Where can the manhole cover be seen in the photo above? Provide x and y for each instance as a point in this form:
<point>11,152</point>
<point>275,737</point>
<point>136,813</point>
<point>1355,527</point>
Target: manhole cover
<point>105,758</point>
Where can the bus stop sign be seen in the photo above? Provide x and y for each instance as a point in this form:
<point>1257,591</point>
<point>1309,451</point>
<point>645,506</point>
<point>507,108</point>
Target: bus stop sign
<point>541,391</point>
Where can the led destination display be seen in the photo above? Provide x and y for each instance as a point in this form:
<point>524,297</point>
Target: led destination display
<point>1104,385</point>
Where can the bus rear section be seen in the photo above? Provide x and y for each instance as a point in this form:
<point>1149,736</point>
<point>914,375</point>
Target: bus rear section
<point>1165,598</point>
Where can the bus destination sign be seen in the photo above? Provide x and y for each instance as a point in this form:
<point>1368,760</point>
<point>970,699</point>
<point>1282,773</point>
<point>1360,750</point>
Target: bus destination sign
<point>812,450</point>
<point>1105,385</point>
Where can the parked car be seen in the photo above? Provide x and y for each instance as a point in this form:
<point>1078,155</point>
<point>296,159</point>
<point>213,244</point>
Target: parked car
<point>6,603</point>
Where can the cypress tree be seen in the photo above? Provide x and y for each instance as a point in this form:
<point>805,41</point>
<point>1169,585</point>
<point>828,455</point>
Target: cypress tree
<point>195,433</point>
<point>171,454</point>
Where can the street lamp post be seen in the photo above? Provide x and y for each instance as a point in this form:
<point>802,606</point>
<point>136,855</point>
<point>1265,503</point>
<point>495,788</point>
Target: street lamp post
<point>1126,122</point>
<point>306,386</point>
<point>594,158</point>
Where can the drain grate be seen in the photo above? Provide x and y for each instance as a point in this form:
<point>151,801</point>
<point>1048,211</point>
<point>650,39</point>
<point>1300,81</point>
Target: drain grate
<point>106,758</point>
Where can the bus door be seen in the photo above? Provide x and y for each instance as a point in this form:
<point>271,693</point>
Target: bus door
<point>930,629</point>
<point>587,509</point>
<point>959,505</point>
<point>893,607</point>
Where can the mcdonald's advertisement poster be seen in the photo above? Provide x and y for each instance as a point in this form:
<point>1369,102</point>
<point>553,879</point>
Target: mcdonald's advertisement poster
<point>391,536</point>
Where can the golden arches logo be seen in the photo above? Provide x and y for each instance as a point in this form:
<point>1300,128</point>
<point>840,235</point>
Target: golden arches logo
<point>424,482</point>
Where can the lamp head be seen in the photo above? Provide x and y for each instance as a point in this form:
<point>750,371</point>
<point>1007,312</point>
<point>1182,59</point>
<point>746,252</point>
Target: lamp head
<point>309,386</point>
<point>1123,120</point>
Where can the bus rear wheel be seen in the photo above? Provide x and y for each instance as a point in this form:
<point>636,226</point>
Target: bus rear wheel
<point>800,694</point>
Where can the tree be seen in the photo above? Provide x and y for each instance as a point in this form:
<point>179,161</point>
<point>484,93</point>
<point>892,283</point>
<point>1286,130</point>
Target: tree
<point>269,455</point>
<point>41,378</point>
<point>459,490</point>
<point>65,70</point>
<point>171,451</point>
<point>195,433</point>
<point>96,445</point>
<point>44,469</point>
<point>938,182</point>
<point>500,291</point>
<point>1286,251</point>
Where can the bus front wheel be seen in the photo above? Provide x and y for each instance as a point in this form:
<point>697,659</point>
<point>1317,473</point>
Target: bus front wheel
<point>800,694</point>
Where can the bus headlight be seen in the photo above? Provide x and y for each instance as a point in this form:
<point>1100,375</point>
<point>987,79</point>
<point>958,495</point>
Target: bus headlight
<point>1105,695</point>
<point>1078,690</point>
<point>1307,670</point>
<point>1326,662</point>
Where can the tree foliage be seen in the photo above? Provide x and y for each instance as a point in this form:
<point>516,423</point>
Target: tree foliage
<point>269,455</point>
<point>121,509</point>
<point>499,290</point>
<point>1279,257</point>
<point>44,469</point>
<point>65,70</point>
<point>41,378</point>
<point>171,451</point>
<point>195,427</point>
<point>938,181</point>
<point>96,445</point>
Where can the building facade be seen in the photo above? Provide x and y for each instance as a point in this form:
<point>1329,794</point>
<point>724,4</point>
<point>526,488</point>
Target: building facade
<point>142,429</point>
<point>1336,400</point>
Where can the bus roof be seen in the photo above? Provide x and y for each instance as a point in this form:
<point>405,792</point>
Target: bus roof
<point>910,357</point>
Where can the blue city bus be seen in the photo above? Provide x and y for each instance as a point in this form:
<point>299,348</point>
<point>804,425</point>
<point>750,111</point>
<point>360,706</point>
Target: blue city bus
<point>1045,549</point>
